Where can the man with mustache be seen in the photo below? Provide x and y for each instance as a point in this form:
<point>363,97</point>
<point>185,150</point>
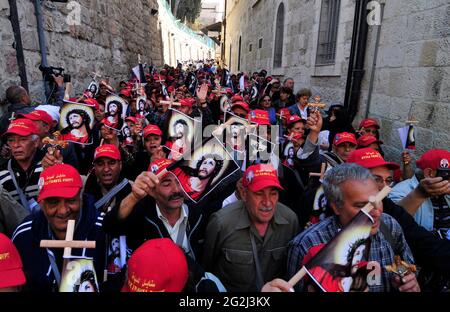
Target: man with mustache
<point>246,243</point>
<point>155,209</point>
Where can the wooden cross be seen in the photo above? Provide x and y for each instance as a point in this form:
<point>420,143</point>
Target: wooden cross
<point>13,116</point>
<point>317,104</point>
<point>68,243</point>
<point>96,74</point>
<point>321,174</point>
<point>171,102</point>
<point>56,142</point>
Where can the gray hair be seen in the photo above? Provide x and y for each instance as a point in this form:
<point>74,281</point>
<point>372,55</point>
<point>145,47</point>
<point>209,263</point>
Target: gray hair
<point>339,174</point>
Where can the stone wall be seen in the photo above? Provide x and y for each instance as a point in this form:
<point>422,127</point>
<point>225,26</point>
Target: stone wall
<point>413,65</point>
<point>108,40</point>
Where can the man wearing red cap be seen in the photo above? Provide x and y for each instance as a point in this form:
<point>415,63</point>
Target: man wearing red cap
<point>240,109</point>
<point>344,144</point>
<point>152,151</point>
<point>20,175</point>
<point>369,126</point>
<point>61,200</point>
<point>347,188</point>
<point>426,195</point>
<point>246,242</point>
<point>11,273</point>
<point>155,209</point>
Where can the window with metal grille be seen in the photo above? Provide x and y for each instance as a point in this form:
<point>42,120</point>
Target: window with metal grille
<point>328,28</point>
<point>279,38</point>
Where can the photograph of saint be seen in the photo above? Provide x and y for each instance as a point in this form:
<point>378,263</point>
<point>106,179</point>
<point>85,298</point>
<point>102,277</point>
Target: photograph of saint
<point>79,276</point>
<point>180,129</point>
<point>341,265</point>
<point>93,88</point>
<point>126,134</point>
<point>140,107</point>
<point>115,110</point>
<point>76,123</point>
<point>210,165</point>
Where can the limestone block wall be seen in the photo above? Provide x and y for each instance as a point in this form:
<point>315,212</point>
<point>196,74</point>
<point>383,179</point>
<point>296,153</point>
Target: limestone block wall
<point>108,39</point>
<point>412,72</point>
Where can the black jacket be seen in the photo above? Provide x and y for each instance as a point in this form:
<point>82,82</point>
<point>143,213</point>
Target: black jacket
<point>36,263</point>
<point>143,224</point>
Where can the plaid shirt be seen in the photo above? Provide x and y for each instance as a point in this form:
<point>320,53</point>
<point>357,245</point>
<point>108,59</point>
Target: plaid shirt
<point>380,248</point>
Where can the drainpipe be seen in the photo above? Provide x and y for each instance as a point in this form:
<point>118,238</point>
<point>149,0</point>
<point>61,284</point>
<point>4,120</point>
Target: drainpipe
<point>374,64</point>
<point>14,18</point>
<point>356,63</point>
<point>41,36</point>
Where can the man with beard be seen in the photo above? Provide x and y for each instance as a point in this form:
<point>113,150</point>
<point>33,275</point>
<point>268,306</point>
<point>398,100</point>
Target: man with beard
<point>197,181</point>
<point>78,127</point>
<point>155,208</point>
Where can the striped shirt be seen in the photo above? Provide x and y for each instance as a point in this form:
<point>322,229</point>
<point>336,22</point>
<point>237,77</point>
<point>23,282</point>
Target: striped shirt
<point>381,250</point>
<point>27,181</point>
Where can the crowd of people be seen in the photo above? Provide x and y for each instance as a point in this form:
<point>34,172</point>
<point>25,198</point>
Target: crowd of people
<point>117,172</point>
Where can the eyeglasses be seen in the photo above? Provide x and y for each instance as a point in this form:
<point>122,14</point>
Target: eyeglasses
<point>389,181</point>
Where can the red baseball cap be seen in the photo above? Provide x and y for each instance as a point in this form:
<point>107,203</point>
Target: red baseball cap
<point>236,98</point>
<point>152,129</point>
<point>11,273</point>
<point>22,127</point>
<point>294,119</point>
<point>108,124</point>
<point>434,159</point>
<point>343,137</point>
<point>261,117</point>
<point>367,139</point>
<point>187,102</point>
<point>159,265</point>
<point>38,115</point>
<point>107,150</point>
<point>369,122</point>
<point>132,119</point>
<point>59,180</point>
<point>159,165</point>
<point>125,92</point>
<point>242,105</point>
<point>93,103</point>
<point>171,89</point>
<point>258,177</point>
<point>370,158</point>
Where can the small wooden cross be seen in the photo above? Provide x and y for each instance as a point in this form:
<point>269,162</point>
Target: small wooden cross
<point>171,102</point>
<point>96,74</point>
<point>317,104</point>
<point>13,116</point>
<point>321,174</point>
<point>56,142</point>
<point>68,243</point>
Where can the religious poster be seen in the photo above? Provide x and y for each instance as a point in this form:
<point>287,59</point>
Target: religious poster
<point>76,122</point>
<point>115,111</point>
<point>140,107</point>
<point>79,276</point>
<point>180,131</point>
<point>408,137</point>
<point>209,165</point>
<point>260,151</point>
<point>93,88</point>
<point>341,265</point>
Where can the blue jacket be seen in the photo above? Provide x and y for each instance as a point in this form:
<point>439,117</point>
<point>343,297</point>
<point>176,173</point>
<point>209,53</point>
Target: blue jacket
<point>36,263</point>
